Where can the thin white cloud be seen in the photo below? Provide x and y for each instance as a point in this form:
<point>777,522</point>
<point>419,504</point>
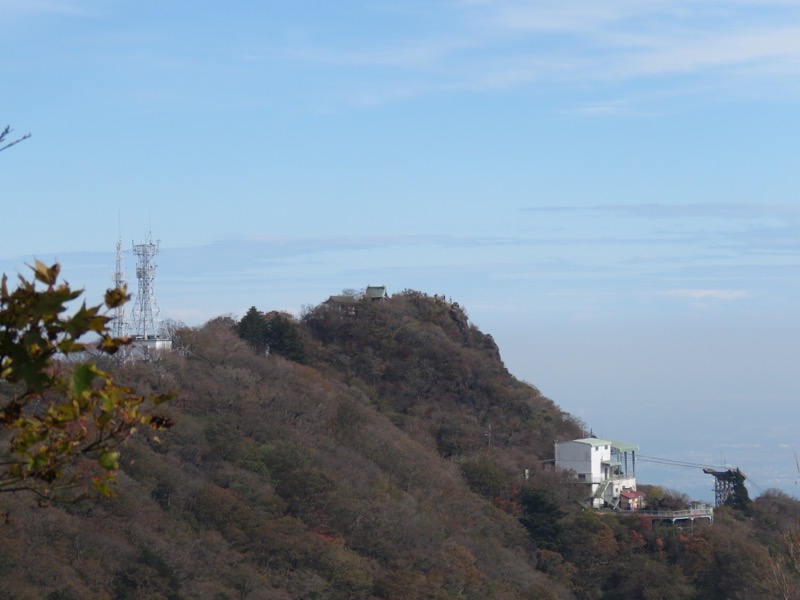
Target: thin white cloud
<point>721,210</point>
<point>776,50</point>
<point>487,45</point>
<point>706,294</point>
<point>39,7</point>
<point>602,109</point>
<point>563,17</point>
<point>591,17</point>
<point>407,54</point>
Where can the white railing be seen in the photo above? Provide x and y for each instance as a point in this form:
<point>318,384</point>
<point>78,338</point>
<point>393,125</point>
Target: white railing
<point>700,511</point>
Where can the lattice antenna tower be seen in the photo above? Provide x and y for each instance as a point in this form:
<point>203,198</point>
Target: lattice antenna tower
<point>146,308</point>
<point>119,326</point>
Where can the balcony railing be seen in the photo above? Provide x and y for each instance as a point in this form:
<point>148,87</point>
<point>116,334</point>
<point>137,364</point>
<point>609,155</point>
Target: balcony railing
<point>630,476</point>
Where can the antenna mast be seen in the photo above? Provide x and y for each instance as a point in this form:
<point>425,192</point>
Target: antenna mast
<point>146,308</point>
<point>120,322</point>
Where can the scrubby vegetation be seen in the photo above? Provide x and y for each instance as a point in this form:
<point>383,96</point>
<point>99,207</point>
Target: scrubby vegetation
<point>376,451</point>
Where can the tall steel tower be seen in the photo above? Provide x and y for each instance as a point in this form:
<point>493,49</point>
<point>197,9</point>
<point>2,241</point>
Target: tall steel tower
<point>119,326</point>
<point>146,308</point>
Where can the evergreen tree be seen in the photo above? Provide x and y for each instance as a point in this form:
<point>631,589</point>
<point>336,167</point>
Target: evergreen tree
<point>542,516</point>
<point>739,498</point>
<point>282,336</point>
<point>252,329</point>
<point>275,333</point>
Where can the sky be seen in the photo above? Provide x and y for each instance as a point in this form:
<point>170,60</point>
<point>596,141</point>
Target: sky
<point>608,188</point>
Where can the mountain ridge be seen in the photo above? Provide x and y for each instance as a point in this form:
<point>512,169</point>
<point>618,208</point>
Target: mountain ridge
<point>386,460</point>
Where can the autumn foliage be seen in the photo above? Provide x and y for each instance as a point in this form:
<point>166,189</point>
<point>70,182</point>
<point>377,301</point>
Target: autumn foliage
<point>62,422</point>
<point>388,462</point>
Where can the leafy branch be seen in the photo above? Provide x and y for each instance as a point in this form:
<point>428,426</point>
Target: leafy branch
<point>61,425</point>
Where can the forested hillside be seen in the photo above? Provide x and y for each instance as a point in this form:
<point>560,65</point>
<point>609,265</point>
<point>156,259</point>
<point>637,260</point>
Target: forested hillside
<point>370,449</point>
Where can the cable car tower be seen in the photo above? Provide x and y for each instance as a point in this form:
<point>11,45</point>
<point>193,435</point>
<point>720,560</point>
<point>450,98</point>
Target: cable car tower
<point>727,484</point>
<point>145,310</point>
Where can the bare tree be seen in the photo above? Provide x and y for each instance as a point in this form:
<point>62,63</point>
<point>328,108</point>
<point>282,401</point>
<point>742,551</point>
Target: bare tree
<point>4,134</point>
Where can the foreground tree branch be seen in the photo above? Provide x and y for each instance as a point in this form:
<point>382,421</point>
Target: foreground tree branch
<point>61,424</point>
<point>4,134</point>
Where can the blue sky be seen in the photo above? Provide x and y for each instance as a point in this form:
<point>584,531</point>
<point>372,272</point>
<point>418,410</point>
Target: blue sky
<point>609,188</point>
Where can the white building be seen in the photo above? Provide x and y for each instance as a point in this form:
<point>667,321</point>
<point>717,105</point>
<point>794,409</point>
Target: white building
<point>607,466</point>
<point>149,348</point>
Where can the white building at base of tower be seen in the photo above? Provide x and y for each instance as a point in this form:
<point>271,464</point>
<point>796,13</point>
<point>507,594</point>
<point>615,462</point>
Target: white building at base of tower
<point>607,467</point>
